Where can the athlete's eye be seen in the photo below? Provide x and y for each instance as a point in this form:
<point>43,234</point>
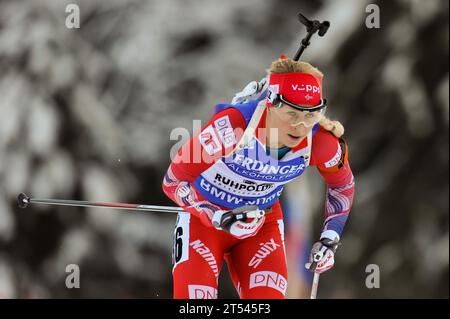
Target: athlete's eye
<point>309,115</point>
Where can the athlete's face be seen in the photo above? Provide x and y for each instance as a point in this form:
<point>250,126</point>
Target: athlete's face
<point>291,128</point>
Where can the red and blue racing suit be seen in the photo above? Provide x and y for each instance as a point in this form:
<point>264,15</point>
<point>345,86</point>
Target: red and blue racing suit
<point>202,180</point>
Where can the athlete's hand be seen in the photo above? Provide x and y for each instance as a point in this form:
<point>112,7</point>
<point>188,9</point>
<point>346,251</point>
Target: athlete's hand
<point>321,257</point>
<point>240,222</point>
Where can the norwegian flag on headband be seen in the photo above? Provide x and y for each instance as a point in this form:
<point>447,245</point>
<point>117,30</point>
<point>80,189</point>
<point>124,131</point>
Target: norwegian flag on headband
<point>296,87</point>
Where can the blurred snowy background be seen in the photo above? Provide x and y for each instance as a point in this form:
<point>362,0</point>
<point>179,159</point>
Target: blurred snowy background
<point>87,113</point>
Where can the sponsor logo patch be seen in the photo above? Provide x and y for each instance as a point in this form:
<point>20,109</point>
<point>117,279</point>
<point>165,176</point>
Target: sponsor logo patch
<point>265,168</point>
<point>263,252</point>
<point>307,88</point>
<point>268,279</point>
<point>225,130</point>
<point>210,141</point>
<point>202,292</point>
<point>221,197</point>
<point>207,255</point>
<point>335,160</point>
<point>247,185</point>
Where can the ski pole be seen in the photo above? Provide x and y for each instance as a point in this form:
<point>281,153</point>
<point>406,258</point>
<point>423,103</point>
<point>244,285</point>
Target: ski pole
<point>23,201</point>
<point>315,285</point>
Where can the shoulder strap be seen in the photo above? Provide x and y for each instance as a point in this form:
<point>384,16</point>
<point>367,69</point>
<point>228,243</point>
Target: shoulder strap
<point>307,155</point>
<point>250,129</point>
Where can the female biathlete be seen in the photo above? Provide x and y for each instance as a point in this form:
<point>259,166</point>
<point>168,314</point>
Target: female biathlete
<point>231,195</point>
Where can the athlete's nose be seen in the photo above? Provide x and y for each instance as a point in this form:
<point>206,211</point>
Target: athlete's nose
<point>300,129</point>
<point>300,126</point>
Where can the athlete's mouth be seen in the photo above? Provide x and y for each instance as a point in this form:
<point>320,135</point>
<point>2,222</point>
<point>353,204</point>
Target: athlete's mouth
<point>293,136</point>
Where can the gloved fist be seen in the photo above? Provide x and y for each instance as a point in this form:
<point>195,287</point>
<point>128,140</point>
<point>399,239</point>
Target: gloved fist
<point>321,257</point>
<point>240,222</point>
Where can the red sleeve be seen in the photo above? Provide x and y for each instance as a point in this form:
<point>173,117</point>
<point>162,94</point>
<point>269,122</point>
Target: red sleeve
<point>219,136</point>
<point>330,155</point>
<point>216,138</point>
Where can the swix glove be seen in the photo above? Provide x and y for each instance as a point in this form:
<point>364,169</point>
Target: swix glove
<point>322,253</point>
